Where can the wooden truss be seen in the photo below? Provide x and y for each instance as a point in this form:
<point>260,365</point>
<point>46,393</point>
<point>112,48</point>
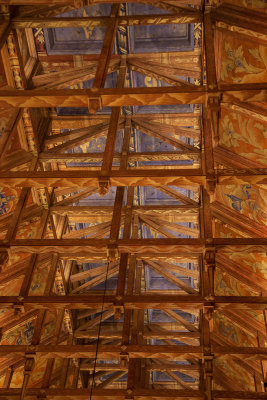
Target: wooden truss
<point>181,232</point>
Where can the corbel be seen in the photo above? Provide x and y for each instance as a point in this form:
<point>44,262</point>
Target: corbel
<point>216,3</point>
<point>29,362</point>
<point>211,182</point>
<point>208,311</point>
<point>42,394</point>
<point>30,357</point>
<point>4,257</point>
<point>81,3</point>
<point>129,395</point>
<point>209,268</point>
<point>208,373</point>
<point>18,309</point>
<point>118,311</point>
<point>103,185</point>
<point>124,357</point>
<point>207,360</point>
<point>214,110</point>
<point>94,104</point>
<point>112,252</point>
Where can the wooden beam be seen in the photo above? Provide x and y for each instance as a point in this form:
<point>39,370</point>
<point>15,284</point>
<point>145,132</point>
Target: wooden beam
<point>130,177</point>
<point>119,394</point>
<point>159,301</point>
<point>173,352</point>
<point>136,156</point>
<point>253,20</point>
<point>184,17</point>
<point>238,220</point>
<point>256,92</point>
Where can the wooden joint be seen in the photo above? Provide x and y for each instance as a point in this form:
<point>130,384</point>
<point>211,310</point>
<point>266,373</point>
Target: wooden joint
<point>209,256</point>
<point>214,101</point>
<point>208,314</point>
<point>124,359</point>
<point>18,308</point>
<point>81,3</point>
<point>76,362</point>
<point>29,362</point>
<point>103,185</point>
<point>129,394</point>
<point>208,367</point>
<point>4,257</point>
<point>94,104</point>
<point>211,183</point>
<point>42,394</point>
<point>112,253</point>
<point>118,311</point>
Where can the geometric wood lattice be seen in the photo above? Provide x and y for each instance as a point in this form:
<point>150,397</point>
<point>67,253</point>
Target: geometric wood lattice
<point>133,211</point>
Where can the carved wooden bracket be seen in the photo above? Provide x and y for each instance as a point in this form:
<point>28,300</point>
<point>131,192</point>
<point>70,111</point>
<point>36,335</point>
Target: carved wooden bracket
<point>112,253</point>
<point>129,395</point>
<point>82,3</point>
<point>103,185</point>
<point>118,311</point>
<point>94,104</point>
<point>4,257</point>
<point>214,108</point>
<point>124,359</point>
<point>209,314</point>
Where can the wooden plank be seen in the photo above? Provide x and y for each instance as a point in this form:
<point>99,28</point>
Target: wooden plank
<point>113,125</point>
<point>107,47</point>
<point>238,220</point>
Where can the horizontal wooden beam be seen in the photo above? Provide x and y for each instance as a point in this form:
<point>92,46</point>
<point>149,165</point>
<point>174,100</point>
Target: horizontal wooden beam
<point>120,394</point>
<point>134,156</point>
<point>131,96</point>
<point>250,19</point>
<point>173,352</point>
<point>142,247</point>
<point>142,301</point>
<point>184,17</point>
<point>130,177</point>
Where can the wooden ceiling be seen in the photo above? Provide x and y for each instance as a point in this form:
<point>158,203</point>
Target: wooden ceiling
<point>133,215</point>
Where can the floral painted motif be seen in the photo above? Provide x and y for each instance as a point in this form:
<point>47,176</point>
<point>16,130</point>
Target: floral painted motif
<point>257,262</point>
<point>244,135</point>
<point>20,335</point>
<point>243,62</point>
<point>232,332</point>
<point>226,285</point>
<point>249,200</point>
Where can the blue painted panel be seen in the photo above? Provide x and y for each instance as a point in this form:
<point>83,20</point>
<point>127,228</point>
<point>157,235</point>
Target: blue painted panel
<point>78,40</point>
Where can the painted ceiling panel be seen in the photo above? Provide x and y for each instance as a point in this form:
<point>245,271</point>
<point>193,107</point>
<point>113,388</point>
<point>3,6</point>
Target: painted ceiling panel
<point>244,133</point>
<point>242,61</point>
